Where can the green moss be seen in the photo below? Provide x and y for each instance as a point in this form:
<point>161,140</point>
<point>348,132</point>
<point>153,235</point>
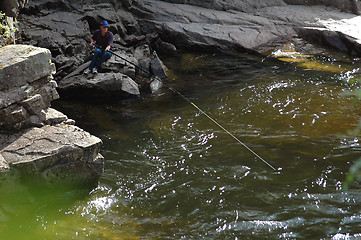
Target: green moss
<point>6,31</point>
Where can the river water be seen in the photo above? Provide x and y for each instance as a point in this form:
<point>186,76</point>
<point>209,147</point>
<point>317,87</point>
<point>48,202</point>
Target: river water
<point>171,173</point>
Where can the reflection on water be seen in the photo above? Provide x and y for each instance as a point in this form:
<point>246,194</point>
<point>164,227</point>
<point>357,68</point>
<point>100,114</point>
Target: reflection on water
<point>171,173</point>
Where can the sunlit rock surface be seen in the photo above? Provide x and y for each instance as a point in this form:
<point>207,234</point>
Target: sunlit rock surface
<point>225,25</point>
<point>61,153</point>
<point>34,138</point>
<point>26,86</point>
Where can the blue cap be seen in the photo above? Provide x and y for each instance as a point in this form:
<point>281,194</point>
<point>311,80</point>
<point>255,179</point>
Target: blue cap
<point>104,24</point>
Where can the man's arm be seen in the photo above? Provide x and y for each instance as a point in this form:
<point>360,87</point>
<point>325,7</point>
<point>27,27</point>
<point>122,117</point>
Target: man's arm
<point>110,41</point>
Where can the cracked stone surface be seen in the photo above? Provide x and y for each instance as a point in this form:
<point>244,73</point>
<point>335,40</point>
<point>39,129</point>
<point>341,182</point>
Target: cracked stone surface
<point>17,60</point>
<point>62,152</point>
<point>248,27</point>
<point>26,86</point>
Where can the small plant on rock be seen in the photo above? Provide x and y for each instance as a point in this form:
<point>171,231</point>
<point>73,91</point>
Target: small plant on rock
<point>7,35</point>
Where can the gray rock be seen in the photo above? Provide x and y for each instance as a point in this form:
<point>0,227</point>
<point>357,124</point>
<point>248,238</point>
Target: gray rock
<point>188,26</point>
<point>48,92</point>
<point>143,56</point>
<point>242,24</point>
<point>4,166</point>
<point>54,117</point>
<point>158,69</point>
<point>55,153</point>
<point>322,25</point>
<point>69,122</point>
<point>34,120</point>
<point>19,60</point>
<point>26,86</point>
<point>352,6</point>
<point>164,47</point>
<point>34,104</point>
<point>108,83</point>
<point>121,62</point>
<point>59,153</point>
<point>11,96</point>
<point>13,117</point>
<point>65,26</point>
<point>243,6</point>
<point>129,86</point>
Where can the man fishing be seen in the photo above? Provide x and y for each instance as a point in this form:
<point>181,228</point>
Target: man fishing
<point>103,40</point>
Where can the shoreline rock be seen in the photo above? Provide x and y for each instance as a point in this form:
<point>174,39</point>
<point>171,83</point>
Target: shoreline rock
<point>26,86</point>
<point>56,154</point>
<point>247,27</point>
<point>35,139</point>
<point>65,27</point>
<point>166,26</point>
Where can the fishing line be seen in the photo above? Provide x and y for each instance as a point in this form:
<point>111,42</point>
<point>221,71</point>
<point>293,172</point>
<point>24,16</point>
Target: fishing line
<point>200,110</point>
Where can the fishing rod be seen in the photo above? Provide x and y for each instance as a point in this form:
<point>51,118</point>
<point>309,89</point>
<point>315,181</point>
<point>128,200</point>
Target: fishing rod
<point>200,110</point>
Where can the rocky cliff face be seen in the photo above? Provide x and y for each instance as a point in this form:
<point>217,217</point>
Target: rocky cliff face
<point>34,138</point>
<point>26,86</point>
<point>65,27</point>
<point>247,26</point>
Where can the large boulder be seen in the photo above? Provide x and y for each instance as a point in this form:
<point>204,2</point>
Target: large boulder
<point>101,84</point>
<point>123,75</point>
<point>115,79</point>
<point>230,25</point>
<point>54,154</point>
<point>35,139</point>
<point>26,86</point>
<point>189,26</point>
<point>323,25</point>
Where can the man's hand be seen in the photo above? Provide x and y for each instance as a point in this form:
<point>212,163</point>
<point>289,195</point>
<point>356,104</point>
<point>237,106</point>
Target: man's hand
<point>92,43</point>
<point>107,48</point>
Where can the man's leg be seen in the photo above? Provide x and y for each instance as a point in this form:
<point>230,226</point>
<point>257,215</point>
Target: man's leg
<point>97,55</point>
<point>105,56</point>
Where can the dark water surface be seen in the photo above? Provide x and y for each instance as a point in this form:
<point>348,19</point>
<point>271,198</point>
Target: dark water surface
<point>170,173</point>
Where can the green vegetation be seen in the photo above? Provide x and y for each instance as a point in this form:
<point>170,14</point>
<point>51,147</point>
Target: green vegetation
<point>6,31</point>
<point>354,174</point>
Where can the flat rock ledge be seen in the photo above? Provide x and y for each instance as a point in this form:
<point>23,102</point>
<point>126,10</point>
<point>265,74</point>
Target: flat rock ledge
<point>36,140</point>
<point>249,25</point>
<point>55,154</point>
